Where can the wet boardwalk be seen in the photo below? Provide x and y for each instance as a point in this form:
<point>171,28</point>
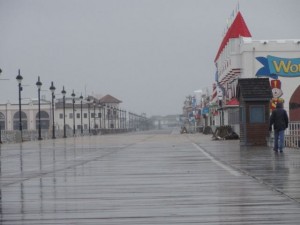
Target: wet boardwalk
<point>149,178</point>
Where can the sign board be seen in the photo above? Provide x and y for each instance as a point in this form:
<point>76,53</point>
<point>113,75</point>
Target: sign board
<point>274,66</point>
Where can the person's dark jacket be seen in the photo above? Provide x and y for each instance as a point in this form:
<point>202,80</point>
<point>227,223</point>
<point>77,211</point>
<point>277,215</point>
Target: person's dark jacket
<point>279,118</point>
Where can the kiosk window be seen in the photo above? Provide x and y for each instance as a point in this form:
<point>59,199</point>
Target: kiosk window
<point>257,114</point>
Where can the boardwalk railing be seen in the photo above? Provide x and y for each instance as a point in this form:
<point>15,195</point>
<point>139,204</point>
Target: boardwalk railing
<point>32,135</point>
<point>292,135</point>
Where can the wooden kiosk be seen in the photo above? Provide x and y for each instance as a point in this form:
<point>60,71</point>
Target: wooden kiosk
<point>254,95</point>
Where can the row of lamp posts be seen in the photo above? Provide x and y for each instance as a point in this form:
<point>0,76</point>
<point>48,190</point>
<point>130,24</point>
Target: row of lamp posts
<point>39,85</point>
<point>52,88</point>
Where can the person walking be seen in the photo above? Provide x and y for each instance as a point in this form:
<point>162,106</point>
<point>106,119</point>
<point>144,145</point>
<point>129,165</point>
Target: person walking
<point>280,121</point>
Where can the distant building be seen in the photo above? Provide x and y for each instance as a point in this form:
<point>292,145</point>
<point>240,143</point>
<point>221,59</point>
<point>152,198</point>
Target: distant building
<point>187,109</point>
<point>98,113</point>
<point>113,112</point>
<point>162,122</point>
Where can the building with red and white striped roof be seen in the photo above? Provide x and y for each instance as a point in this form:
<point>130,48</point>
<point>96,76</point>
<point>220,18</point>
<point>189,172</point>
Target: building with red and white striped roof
<point>240,56</point>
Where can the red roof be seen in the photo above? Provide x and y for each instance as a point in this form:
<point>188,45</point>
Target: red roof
<point>109,99</point>
<point>237,29</point>
<point>233,102</point>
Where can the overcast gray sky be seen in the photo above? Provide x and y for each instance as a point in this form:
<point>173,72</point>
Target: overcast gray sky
<point>148,53</point>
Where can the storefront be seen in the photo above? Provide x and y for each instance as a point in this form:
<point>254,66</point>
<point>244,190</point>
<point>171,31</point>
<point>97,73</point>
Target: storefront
<point>240,56</point>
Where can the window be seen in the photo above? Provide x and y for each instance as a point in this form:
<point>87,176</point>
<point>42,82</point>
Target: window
<point>61,116</point>
<point>16,122</point>
<point>45,120</point>
<point>78,115</point>
<point>257,114</point>
<point>85,115</point>
<point>71,115</point>
<point>92,115</point>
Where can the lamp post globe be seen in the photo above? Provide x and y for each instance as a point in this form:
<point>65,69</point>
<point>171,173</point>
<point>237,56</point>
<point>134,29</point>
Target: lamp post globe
<point>52,89</point>
<point>19,77</point>
<point>39,85</point>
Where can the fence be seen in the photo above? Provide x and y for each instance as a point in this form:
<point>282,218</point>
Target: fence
<point>8,136</point>
<point>292,135</point>
<point>32,135</point>
<point>27,135</point>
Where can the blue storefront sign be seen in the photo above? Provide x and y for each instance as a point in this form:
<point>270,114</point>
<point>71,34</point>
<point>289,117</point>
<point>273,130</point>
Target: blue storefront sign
<point>205,110</point>
<point>274,66</point>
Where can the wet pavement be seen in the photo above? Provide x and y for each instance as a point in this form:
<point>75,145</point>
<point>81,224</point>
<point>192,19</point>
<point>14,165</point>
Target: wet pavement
<point>147,178</point>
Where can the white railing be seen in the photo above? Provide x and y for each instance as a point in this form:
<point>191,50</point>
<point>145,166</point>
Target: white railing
<point>8,136</point>
<point>292,135</point>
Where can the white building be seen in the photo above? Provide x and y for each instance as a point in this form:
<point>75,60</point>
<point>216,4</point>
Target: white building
<point>9,115</point>
<point>240,56</point>
<point>101,113</point>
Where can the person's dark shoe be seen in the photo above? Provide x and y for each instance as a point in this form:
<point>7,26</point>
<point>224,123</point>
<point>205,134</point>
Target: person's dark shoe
<point>281,150</point>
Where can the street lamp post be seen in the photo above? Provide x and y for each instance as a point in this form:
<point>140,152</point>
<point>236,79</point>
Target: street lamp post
<point>116,117</point>
<point>119,118</point>
<point>52,89</point>
<point>129,120</point>
<point>94,104</point>
<point>73,101</point>
<point>100,115</point>
<point>39,85</point>
<point>19,79</point>
<point>124,115</point>
<point>104,122</point>
<point>109,114</point>
<point>113,117</point>
<point>64,109</point>
<point>81,98</point>
<point>125,122</point>
<point>123,119</point>
<point>89,114</point>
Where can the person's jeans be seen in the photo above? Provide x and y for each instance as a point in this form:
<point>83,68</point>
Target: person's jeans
<point>278,140</point>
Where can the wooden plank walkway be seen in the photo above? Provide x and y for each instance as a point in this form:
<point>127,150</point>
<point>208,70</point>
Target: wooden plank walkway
<point>146,179</point>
